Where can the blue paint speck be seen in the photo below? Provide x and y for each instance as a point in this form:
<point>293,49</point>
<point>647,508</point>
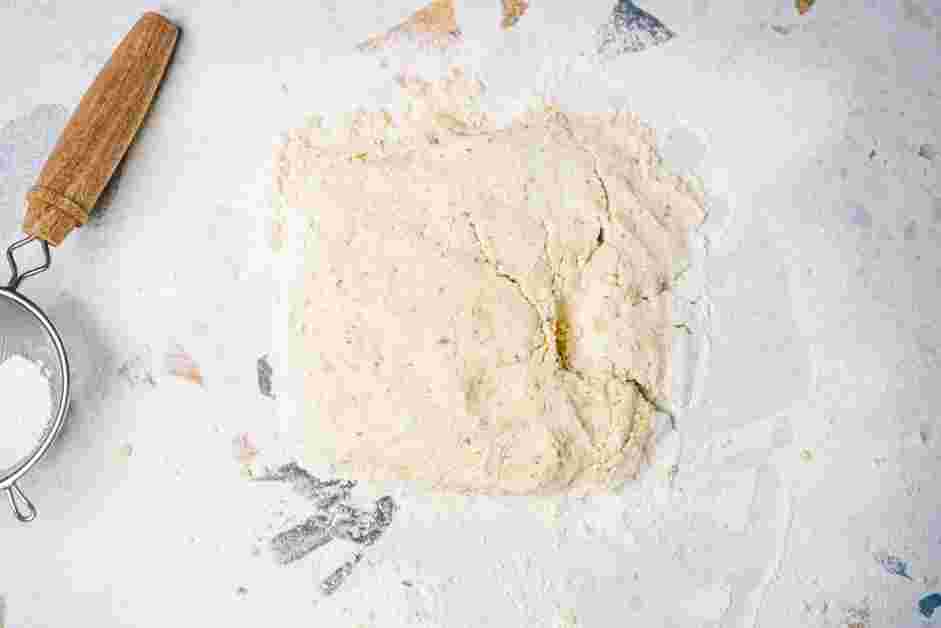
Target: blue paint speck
<point>893,565</point>
<point>928,604</point>
<point>860,217</point>
<point>6,158</point>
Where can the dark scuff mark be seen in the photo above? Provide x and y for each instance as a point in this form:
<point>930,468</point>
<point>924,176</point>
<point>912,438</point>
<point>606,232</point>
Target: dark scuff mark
<point>333,519</point>
<point>265,373</point>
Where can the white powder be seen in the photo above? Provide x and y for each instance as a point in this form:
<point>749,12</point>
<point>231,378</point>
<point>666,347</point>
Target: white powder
<point>27,409</point>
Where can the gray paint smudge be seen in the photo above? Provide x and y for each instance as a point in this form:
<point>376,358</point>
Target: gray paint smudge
<point>333,519</point>
<point>138,370</point>
<point>858,615</point>
<point>335,580</point>
<point>265,373</point>
<point>928,151</point>
<point>630,29</point>
<point>915,14</point>
<point>299,541</point>
<point>892,564</point>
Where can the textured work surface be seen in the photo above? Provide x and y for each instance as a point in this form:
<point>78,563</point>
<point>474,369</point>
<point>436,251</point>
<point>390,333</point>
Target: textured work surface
<point>801,489</point>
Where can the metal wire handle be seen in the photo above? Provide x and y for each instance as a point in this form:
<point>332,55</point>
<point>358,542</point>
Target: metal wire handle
<point>15,277</point>
<point>16,497</point>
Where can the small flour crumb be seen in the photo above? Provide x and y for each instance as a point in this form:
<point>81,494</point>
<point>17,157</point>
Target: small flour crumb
<point>27,409</point>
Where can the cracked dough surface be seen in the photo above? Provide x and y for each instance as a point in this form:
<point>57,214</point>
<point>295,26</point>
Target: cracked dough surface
<point>484,310</point>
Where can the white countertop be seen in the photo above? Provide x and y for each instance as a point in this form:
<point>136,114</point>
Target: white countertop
<point>811,445</point>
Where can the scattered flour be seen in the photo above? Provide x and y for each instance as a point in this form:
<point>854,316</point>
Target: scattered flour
<point>27,408</point>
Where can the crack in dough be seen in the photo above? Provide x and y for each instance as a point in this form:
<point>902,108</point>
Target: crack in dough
<point>482,309</point>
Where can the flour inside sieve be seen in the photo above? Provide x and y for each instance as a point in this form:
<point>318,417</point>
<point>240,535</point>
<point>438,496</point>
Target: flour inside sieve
<point>27,409</point>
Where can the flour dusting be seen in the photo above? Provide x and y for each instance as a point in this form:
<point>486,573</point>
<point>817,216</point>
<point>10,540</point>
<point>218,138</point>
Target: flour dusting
<point>27,408</point>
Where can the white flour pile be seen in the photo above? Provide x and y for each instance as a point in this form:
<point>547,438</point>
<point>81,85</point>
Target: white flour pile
<point>27,408</point>
<point>484,309</point>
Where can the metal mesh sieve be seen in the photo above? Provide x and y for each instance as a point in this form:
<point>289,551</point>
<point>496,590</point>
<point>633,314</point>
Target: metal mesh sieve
<point>75,174</point>
<point>26,331</point>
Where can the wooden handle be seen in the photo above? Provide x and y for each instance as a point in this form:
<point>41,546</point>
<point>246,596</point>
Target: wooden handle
<point>99,132</point>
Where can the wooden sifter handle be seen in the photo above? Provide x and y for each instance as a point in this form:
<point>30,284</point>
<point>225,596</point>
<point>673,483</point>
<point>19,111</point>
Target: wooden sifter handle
<point>99,132</point>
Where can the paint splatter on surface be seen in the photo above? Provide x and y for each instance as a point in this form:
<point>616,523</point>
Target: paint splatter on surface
<point>434,26</point>
<point>928,604</point>
<point>243,449</point>
<point>265,373</point>
<point>892,564</point>
<point>513,10</point>
<point>125,451</point>
<point>630,29</point>
<point>803,6</point>
<point>180,364</point>
<point>928,151</point>
<point>6,158</point>
<point>860,217</point>
<point>333,519</point>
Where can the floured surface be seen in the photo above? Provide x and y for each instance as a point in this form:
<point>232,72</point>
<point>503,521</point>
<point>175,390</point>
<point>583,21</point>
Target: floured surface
<point>822,332</point>
<point>485,310</point>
